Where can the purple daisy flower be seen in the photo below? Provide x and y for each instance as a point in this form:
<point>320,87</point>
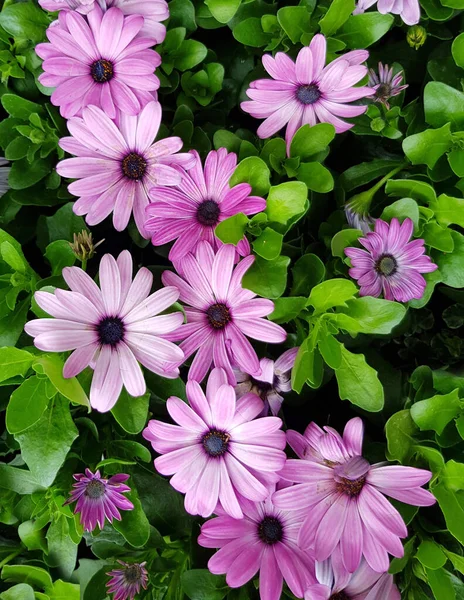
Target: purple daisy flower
<point>99,499</point>
<point>391,262</point>
<point>334,582</point>
<point>125,583</point>
<point>190,211</point>
<point>263,541</point>
<point>307,91</point>
<point>81,6</point>
<point>97,61</point>
<point>111,328</point>
<point>117,164</point>
<point>221,315</point>
<point>273,381</point>
<point>218,450</point>
<point>385,84</point>
<point>409,10</point>
<point>344,496</point>
<point>358,219</point>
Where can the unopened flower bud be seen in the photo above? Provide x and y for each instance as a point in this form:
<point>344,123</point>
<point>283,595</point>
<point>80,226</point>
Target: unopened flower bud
<point>416,36</point>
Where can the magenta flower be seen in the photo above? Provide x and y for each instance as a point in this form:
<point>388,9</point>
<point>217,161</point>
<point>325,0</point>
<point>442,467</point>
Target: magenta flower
<point>115,166</point>
<point>125,583</point>
<point>111,328</point>
<point>99,499</point>
<point>385,84</point>
<point>307,92</point>
<point>218,450</point>
<point>221,315</point>
<point>97,61</point>
<point>344,496</point>
<point>409,10</point>
<point>190,211</point>
<point>263,541</point>
<point>334,582</point>
<point>82,6</point>
<point>391,262</point>
<point>273,381</point>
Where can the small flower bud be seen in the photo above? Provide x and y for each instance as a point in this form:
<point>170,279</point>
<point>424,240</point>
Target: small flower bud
<point>83,246</point>
<point>416,36</point>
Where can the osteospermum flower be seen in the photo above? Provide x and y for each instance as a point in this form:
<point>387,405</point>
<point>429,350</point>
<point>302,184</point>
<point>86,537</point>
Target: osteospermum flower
<point>385,84</point>
<point>218,450</point>
<point>190,211</point>
<point>4,174</point>
<point>97,61</point>
<point>99,499</point>
<point>357,217</point>
<point>391,262</point>
<point>409,10</point>
<point>115,166</point>
<point>263,541</point>
<point>221,314</point>
<point>82,6</point>
<point>344,496</point>
<point>273,381</point>
<point>307,91</point>
<point>334,582</point>
<point>126,582</point>
<point>111,328</point>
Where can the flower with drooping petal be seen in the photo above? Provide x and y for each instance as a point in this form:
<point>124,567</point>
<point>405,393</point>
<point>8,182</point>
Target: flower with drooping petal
<point>263,541</point>
<point>111,328</point>
<point>307,92</point>
<point>358,217</point>
<point>221,314</point>
<point>273,381</point>
<point>218,450</point>
<point>116,165</point>
<point>190,211</point>
<point>125,582</point>
<point>4,174</point>
<point>97,61</point>
<point>385,84</point>
<point>344,496</point>
<point>391,262</point>
<point>334,582</point>
<point>99,499</point>
<point>409,10</point>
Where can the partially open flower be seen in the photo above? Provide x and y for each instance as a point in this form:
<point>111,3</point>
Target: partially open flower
<point>385,84</point>
<point>125,583</point>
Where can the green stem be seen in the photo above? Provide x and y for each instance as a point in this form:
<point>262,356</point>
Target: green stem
<point>384,179</point>
<point>7,559</point>
<point>84,264</point>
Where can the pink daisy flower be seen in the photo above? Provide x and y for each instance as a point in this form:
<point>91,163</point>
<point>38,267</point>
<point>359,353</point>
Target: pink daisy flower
<point>217,450</point>
<point>98,61</point>
<point>190,211</point>
<point>263,541</point>
<point>307,91</point>
<point>99,499</point>
<point>82,6</point>
<point>334,582</point>
<point>126,582</point>
<point>409,10</point>
<point>344,496</point>
<point>111,328</point>
<point>391,262</point>
<point>116,165</point>
<point>385,84</point>
<point>273,381</point>
<point>221,315</point>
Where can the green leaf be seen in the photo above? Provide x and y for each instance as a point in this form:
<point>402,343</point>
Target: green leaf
<point>456,162</point>
<point>190,54</point>
<point>400,429</point>
<point>22,591</point>
<point>200,584</point>
<point>443,104</point>
<point>62,551</point>
<point>316,177</point>
<point>24,174</point>
<point>132,449</point>
<point>418,190</point>
<point>250,33</point>
<point>18,107</point>
<point>12,257</point>
<point>374,315</point>
<point>12,325</point>
<point>62,590</point>
<point>254,171</point>
<point>338,13</point>
<point>20,481</point>
<point>308,271</point>
<point>32,534</point>
<point>286,309</point>
<point>17,148</point>
<point>267,278</point>
<point>453,476</point>
<point>232,229</point>
<point>358,382</point>
<point>134,525</point>
<point>456,559</point>
<point>457,50</point>
<point>448,210</point>
<point>45,445</point>
<point>431,555</point>
<point>427,147</point>
<point>344,239</point>
<point>52,366</point>
<point>182,14</point>
<point>131,413</point>
<point>398,564</point>
<point>63,224</point>
<point>334,292</point>
<point>452,265</point>
<point>223,10</point>
<point>27,404</point>
<point>402,209</point>
<point>25,21</point>
<point>59,254</point>
<point>361,31</point>
<point>440,582</point>
<point>228,140</point>
<point>331,350</point>
<point>452,509</point>
<point>14,362</point>
<point>308,367</point>
<point>436,412</point>
<point>366,172</point>
<point>309,141</point>
<point>28,574</point>
<point>269,244</point>
<point>438,237</point>
<point>295,21</point>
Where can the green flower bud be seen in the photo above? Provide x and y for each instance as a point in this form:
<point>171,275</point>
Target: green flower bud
<point>416,36</point>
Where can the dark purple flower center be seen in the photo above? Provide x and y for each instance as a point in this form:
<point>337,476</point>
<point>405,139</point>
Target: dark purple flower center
<point>208,213</point>
<point>102,70</point>
<point>95,489</point>
<point>383,91</point>
<point>339,596</point>
<point>110,330</point>
<point>308,94</point>
<point>215,442</point>
<point>134,166</point>
<point>218,315</point>
<point>270,530</point>
<point>133,574</point>
<point>351,487</point>
<point>386,265</point>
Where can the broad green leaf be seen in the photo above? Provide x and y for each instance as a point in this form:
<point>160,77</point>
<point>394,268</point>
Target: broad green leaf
<point>344,239</point>
<point>295,21</point>
<point>375,315</point>
<point>62,590</point>
<point>398,564</point>
<point>132,449</point>
<point>59,254</point>
<point>308,271</point>
<point>331,350</point>
<point>22,591</point>
<point>18,107</point>
<point>286,201</point>
<point>182,14</point>
<point>12,257</point>
<point>400,429</point>
<point>267,278</point>
<point>431,555</point>
<point>200,584</point>
<point>453,476</point>
<point>24,174</point>
<point>436,412</point>
<point>452,509</point>
<point>269,244</point>
<point>32,534</point>
<point>309,141</point>
<point>131,413</point>
<point>446,382</point>
<point>338,13</point>
<point>361,31</point>
<point>366,172</point>
<point>232,230</point>
<point>287,309</point>
<point>250,33</point>
<point>456,559</point>
<point>334,292</point>
<point>440,582</point>
<point>316,177</point>
<point>134,525</point>
<point>456,162</point>
<point>427,147</point>
<point>223,10</point>
<point>17,480</point>
<point>255,172</point>
<point>358,382</point>
<point>438,237</point>
<point>28,574</point>
<point>406,208</point>
<point>190,54</point>
<point>25,21</point>
<point>52,366</point>
<point>452,265</point>
<point>418,190</point>
<point>27,404</point>
<point>457,48</point>
<point>14,362</point>
<point>443,104</point>
<point>12,325</point>
<point>432,456</point>
<point>448,210</point>
<point>62,551</point>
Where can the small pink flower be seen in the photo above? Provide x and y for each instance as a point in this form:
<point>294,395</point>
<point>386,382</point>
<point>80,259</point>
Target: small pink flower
<point>190,211</point>
<point>409,10</point>
<point>391,262</point>
<point>218,450</point>
<point>126,582</point>
<point>99,499</point>
<point>307,91</point>
<point>344,497</point>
